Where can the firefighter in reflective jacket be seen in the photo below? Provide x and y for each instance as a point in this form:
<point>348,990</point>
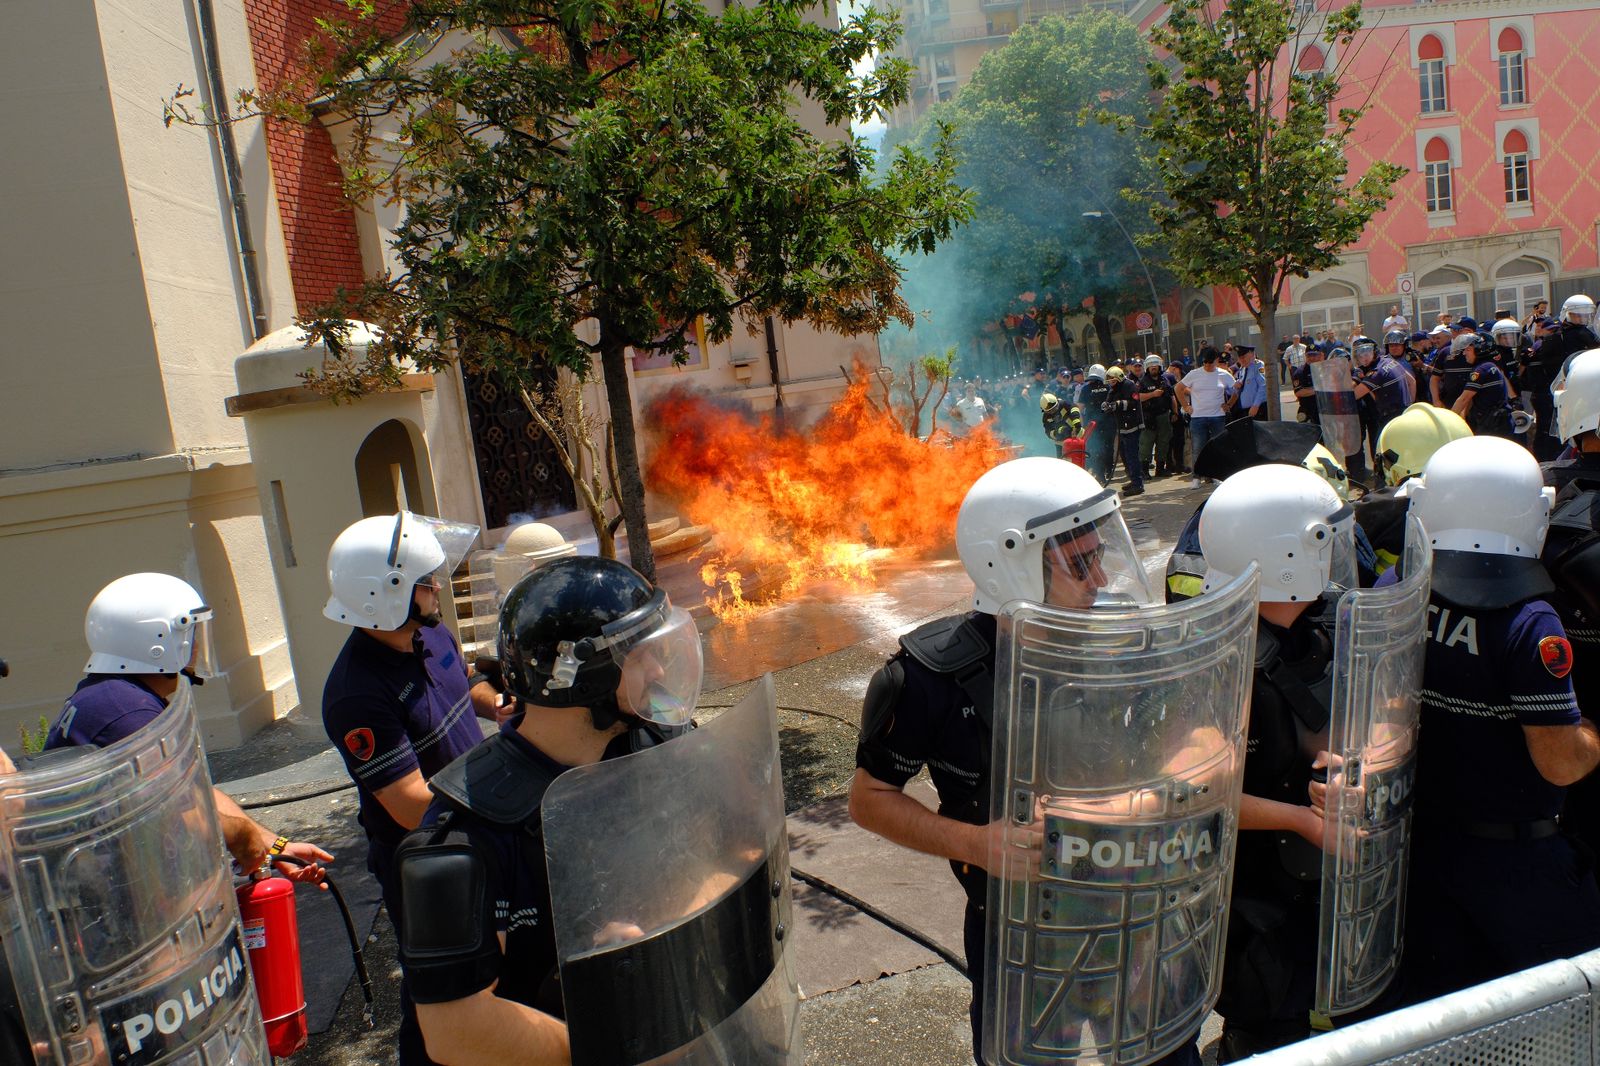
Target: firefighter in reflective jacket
<point>1495,886</point>
<point>1296,527</point>
<point>932,704</point>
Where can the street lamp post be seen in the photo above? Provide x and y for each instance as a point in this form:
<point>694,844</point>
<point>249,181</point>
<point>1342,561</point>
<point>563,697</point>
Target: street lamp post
<point>1155,301</point>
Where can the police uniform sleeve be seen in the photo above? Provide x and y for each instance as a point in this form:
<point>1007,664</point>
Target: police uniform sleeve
<point>1538,667</point>
<point>450,917</point>
<point>370,735</point>
<point>1479,379</point>
<point>894,735</point>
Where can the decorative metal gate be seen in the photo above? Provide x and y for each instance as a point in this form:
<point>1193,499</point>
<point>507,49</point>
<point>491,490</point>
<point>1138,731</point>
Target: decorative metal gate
<point>518,468</point>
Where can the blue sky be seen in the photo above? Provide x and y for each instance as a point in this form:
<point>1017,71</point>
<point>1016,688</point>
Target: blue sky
<point>873,130</point>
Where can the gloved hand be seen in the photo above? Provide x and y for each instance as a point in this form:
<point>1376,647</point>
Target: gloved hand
<point>1109,406</point>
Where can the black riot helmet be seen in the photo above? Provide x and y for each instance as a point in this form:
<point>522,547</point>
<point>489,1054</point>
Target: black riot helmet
<point>589,632</point>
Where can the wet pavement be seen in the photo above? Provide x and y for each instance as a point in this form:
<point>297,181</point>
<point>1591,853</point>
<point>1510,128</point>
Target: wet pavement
<point>874,996</point>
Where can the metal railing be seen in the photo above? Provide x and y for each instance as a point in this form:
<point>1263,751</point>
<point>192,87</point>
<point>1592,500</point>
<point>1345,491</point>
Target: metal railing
<point>1546,1016</point>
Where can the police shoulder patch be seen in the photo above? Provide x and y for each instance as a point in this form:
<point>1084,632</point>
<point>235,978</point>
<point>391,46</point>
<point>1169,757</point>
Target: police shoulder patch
<point>361,743</point>
<point>1556,655</point>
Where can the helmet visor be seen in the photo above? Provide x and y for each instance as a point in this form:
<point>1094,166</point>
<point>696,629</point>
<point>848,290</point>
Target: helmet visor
<point>662,670</point>
<point>1094,564</point>
<point>411,550</point>
<point>202,652</point>
<point>1340,551</point>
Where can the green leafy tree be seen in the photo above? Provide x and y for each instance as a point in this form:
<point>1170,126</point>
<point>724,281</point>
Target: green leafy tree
<point>1036,160</point>
<point>1252,155</point>
<point>586,178</point>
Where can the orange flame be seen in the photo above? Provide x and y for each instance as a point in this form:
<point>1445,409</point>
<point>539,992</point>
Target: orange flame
<point>827,501</point>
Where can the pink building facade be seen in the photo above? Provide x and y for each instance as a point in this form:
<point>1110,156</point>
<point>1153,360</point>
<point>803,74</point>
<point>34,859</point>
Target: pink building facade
<point>1490,106</point>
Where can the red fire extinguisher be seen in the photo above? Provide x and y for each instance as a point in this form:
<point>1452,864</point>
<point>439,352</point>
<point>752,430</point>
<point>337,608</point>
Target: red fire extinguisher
<point>272,935</point>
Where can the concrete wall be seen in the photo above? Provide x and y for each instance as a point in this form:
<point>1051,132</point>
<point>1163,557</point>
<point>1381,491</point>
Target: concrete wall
<point>122,293</point>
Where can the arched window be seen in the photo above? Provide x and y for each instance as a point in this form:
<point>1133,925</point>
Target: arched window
<point>1436,176</point>
<point>1520,284</point>
<point>1327,306</point>
<point>1311,61</point>
<point>1513,75</point>
<point>1444,294</point>
<point>1430,73</point>
<point>1514,156</point>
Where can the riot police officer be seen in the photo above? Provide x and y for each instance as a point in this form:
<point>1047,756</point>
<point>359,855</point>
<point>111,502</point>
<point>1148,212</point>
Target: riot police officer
<point>1495,886</point>
<point>144,632</point>
<point>398,704</point>
<point>1122,406</point>
<point>1100,425</point>
<point>1033,530</point>
<point>1572,556</point>
<point>602,665</point>
<point>1574,333</point>
<point>1292,524</point>
<point>1485,400</point>
<point>1384,387</point>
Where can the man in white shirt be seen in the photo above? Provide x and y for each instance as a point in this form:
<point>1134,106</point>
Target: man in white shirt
<point>970,410</point>
<point>1204,393</point>
<point>1396,321</point>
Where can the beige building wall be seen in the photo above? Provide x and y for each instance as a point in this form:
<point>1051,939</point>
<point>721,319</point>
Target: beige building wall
<point>124,305</point>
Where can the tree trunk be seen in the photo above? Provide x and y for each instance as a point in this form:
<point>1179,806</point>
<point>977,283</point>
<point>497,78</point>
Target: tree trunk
<point>1267,352</point>
<point>1102,329</point>
<point>613,363</point>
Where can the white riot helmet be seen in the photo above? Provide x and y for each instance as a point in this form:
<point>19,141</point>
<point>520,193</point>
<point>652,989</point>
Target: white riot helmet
<point>1152,362</point>
<point>1578,309</point>
<point>1578,401</point>
<point>1483,495</point>
<point>1507,332</point>
<point>149,624</point>
<point>1096,373</point>
<point>1290,522</point>
<point>376,562</point>
<point>1032,522</point>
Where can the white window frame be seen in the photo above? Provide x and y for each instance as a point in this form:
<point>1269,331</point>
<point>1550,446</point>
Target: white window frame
<point>1339,315</point>
<point>1430,302</point>
<point>1431,76</point>
<point>1438,187</point>
<point>1512,68</point>
<point>1518,178</point>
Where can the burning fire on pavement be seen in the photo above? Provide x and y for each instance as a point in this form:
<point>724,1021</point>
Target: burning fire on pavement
<point>826,501</point>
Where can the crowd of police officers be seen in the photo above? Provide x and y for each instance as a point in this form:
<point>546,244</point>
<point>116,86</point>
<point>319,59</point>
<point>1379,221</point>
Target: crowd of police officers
<point>1146,804</point>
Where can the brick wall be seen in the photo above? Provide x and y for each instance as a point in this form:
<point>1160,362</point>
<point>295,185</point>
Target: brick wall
<point>319,227</point>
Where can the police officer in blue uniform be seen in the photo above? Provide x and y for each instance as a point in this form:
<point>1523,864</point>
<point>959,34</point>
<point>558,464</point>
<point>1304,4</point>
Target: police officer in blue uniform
<point>144,630</point>
<point>398,704</point>
<point>1293,524</point>
<point>932,704</point>
<point>1495,885</point>
<point>1485,400</point>
<point>1450,367</point>
<point>1572,556</point>
<point>1574,333</point>
<point>601,666</point>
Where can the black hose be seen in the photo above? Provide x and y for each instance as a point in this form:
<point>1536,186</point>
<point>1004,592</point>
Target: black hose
<point>296,797</point>
<point>350,931</point>
<point>955,961</point>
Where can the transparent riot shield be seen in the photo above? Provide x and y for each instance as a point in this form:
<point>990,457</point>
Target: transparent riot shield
<point>117,908</point>
<point>669,893</point>
<point>1336,406</point>
<point>1119,750</point>
<point>1372,743</point>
